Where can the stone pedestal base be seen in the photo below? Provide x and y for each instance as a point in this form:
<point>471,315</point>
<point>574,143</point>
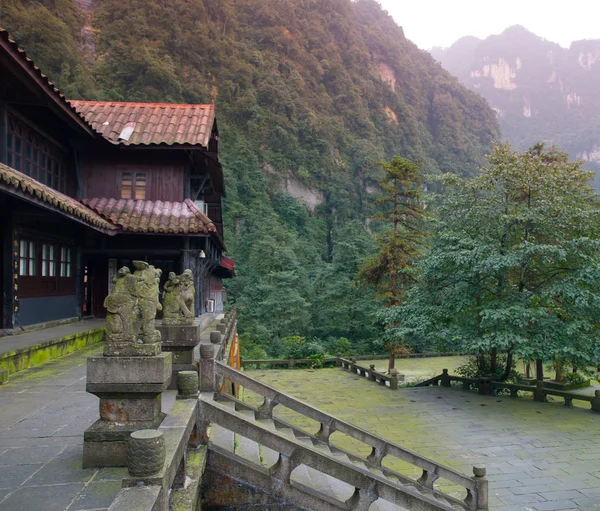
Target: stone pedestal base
<point>180,340</point>
<point>130,390</point>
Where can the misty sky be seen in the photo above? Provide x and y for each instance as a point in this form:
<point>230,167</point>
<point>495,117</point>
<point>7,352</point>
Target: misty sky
<point>430,23</point>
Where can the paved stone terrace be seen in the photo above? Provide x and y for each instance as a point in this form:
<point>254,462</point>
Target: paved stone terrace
<point>43,414</point>
<point>539,456</point>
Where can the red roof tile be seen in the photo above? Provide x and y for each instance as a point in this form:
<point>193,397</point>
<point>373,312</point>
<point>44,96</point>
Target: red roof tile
<point>158,217</point>
<point>17,183</point>
<point>154,123</point>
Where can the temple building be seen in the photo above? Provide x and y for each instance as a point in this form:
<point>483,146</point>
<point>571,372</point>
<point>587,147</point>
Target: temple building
<point>88,186</point>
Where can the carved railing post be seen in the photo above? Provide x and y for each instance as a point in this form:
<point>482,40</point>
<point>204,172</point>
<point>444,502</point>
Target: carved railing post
<point>539,393</point>
<point>284,467</point>
<point>376,456</point>
<point>428,478</point>
<point>568,401</point>
<point>372,372</point>
<point>207,368</point>
<point>325,431</point>
<point>477,500</point>
<point>362,499</point>
<point>394,382</point>
<point>445,378</point>
<point>265,411</point>
<point>595,402</point>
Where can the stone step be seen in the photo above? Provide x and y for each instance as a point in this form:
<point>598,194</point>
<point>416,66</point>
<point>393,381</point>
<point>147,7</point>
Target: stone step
<point>341,491</point>
<point>300,475</point>
<point>244,447</point>
<point>319,480</point>
<point>384,505</point>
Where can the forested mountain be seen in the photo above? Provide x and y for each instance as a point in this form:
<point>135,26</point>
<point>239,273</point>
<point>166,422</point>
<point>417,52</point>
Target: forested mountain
<point>310,95</point>
<point>539,90</point>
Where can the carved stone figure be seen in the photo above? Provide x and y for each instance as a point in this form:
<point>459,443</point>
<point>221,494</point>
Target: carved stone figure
<point>122,310</point>
<point>147,292</point>
<point>178,299</point>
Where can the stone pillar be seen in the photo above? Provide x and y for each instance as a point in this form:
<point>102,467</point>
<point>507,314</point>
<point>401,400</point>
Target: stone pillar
<point>207,368</point>
<point>538,393</point>
<point>130,390</point>
<point>181,341</point>
<point>132,373</point>
<point>595,402</point>
<point>445,378</point>
<point>485,385</point>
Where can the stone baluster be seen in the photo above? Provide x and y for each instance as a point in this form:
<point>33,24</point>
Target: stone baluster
<point>362,499</point>
<point>394,382</point>
<point>325,431</point>
<point>427,479</point>
<point>445,378</point>
<point>377,455</point>
<point>595,402</point>
<point>539,394</point>
<point>265,411</point>
<point>372,372</point>
<point>207,368</point>
<point>282,470</point>
<point>514,392</point>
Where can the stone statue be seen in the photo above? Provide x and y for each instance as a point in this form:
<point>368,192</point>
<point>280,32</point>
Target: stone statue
<point>147,292</point>
<point>122,310</point>
<point>178,299</point>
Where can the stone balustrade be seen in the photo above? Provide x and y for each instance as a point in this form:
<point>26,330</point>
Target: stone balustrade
<point>486,386</point>
<point>390,380</point>
<point>411,493</point>
<point>298,362</point>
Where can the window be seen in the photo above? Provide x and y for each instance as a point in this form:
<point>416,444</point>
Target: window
<point>48,261</point>
<point>27,259</point>
<point>65,262</point>
<point>34,155</point>
<point>133,185</point>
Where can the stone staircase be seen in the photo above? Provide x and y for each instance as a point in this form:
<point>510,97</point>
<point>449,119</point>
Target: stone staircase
<point>252,445</point>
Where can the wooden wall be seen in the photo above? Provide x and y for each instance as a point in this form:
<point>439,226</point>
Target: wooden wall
<point>164,181</point>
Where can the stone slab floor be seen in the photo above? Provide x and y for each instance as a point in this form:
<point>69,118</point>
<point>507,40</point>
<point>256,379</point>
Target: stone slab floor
<point>539,456</point>
<point>43,414</point>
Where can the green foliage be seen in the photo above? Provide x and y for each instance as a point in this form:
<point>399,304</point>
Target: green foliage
<point>575,378</point>
<point>513,264</point>
<point>481,366</point>
<point>301,93</point>
<point>317,360</point>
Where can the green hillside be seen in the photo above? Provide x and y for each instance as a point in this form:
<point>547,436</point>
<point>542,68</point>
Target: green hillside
<point>310,95</point>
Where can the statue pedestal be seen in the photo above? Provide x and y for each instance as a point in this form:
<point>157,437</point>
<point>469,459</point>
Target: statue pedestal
<point>130,390</point>
<point>181,341</point>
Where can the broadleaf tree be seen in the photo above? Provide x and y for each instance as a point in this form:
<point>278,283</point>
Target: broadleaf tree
<point>514,264</point>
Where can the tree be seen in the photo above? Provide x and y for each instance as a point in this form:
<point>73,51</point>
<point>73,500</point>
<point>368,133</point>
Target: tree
<point>513,265</point>
<point>391,269</point>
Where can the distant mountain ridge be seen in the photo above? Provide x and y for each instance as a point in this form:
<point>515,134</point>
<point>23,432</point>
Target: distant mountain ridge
<point>539,90</point>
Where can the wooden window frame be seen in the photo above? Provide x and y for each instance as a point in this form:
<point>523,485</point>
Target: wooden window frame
<point>34,154</point>
<point>42,283</point>
<point>134,185</point>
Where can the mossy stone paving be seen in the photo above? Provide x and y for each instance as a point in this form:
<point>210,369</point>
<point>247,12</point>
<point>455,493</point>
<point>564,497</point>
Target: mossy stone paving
<point>539,456</point>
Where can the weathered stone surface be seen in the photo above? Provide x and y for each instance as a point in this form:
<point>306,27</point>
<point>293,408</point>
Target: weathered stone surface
<point>179,335</point>
<point>187,383</point>
<point>134,370</point>
<point>128,408</point>
<point>178,299</point>
<point>131,311</point>
<point>216,337</point>
<point>145,452</point>
<point>137,499</point>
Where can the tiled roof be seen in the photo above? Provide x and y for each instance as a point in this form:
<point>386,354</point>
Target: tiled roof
<point>152,123</point>
<point>17,183</point>
<point>159,217</point>
<point>34,71</point>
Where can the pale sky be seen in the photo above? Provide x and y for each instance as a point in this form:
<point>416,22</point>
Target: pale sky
<point>429,23</point>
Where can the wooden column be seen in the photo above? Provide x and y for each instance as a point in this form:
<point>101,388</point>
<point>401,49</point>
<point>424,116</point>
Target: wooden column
<point>3,132</point>
<point>10,305</point>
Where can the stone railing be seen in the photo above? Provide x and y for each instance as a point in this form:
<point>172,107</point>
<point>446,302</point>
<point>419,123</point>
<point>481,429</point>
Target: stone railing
<point>486,386</point>
<point>376,480</point>
<point>176,484</point>
<point>390,380</point>
<point>273,363</point>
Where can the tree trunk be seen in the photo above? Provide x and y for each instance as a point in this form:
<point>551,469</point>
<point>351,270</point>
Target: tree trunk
<point>508,368</point>
<point>528,370</point>
<point>494,360</point>
<point>392,362</point>
<point>539,369</point>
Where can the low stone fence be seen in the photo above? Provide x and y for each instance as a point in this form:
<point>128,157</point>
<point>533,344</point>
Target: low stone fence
<point>486,386</point>
<point>176,485</point>
<point>370,482</point>
<point>389,380</point>
<point>275,363</point>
